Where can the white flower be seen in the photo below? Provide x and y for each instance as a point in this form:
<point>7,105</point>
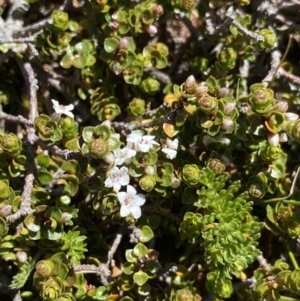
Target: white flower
<point>170,148</point>
<point>60,109</point>
<point>122,155</point>
<point>116,178</point>
<point>131,202</point>
<point>141,143</point>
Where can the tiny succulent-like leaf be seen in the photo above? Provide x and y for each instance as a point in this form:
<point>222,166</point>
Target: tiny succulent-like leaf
<point>140,278</point>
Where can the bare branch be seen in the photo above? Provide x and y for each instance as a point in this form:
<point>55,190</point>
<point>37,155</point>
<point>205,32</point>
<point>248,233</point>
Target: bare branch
<point>114,246</point>
<point>275,62</point>
<point>289,76</point>
<point>92,269</point>
<point>25,207</point>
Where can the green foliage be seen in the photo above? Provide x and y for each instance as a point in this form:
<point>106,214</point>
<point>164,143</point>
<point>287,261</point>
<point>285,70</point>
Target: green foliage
<point>175,168</point>
<point>20,279</point>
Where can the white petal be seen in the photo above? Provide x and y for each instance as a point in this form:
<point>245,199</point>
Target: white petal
<point>68,113</point>
<point>108,183</point>
<point>124,180</point>
<point>171,153</point>
<point>144,147</point>
<point>117,186</point>
<point>136,212</point>
<point>122,197</point>
<point>139,200</point>
<point>131,190</point>
<point>130,153</point>
<point>133,137</point>
<point>69,107</point>
<point>124,211</point>
<point>124,170</point>
<point>172,144</point>
<point>55,103</point>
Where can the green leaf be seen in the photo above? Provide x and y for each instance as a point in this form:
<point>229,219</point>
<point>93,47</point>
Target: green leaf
<point>146,234</point>
<point>110,44</point>
<point>19,280</point>
<point>140,250</point>
<point>140,278</point>
<point>3,227</point>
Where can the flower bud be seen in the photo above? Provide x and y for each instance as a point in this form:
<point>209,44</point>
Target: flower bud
<point>109,158</point>
<point>5,210</point>
<point>229,107</point>
<point>66,216</point>
<point>151,29</point>
<point>273,139</point>
<point>21,256</point>
<point>190,83</point>
<point>224,141</point>
<point>149,170</point>
<point>201,89</point>
<point>283,137</point>
<point>123,44</point>
<point>223,92</point>
<point>98,147</point>
<point>291,116</point>
<point>227,124</point>
<point>281,106</point>
<point>175,183</point>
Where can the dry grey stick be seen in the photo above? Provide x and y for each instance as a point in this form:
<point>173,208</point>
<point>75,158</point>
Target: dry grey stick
<point>25,207</point>
<point>114,246</point>
<point>92,269</point>
<point>275,62</point>
<point>247,32</point>
<point>289,76</point>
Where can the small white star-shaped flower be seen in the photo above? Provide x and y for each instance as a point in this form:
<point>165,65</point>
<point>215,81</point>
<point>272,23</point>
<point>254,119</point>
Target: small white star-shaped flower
<point>169,147</point>
<point>123,155</point>
<point>141,143</point>
<point>131,202</point>
<point>60,109</point>
<point>116,178</point>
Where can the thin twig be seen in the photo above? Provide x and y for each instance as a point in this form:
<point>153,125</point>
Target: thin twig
<point>275,62</point>
<point>92,269</point>
<point>289,76</point>
<point>131,127</point>
<point>114,246</point>
<point>247,32</point>
<point>25,207</point>
<point>16,119</point>
<point>34,27</point>
<point>283,58</point>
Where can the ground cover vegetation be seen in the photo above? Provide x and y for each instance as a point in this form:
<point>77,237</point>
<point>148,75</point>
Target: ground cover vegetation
<point>149,150</point>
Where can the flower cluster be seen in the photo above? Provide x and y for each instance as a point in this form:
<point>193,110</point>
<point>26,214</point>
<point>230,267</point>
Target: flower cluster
<point>117,176</point>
